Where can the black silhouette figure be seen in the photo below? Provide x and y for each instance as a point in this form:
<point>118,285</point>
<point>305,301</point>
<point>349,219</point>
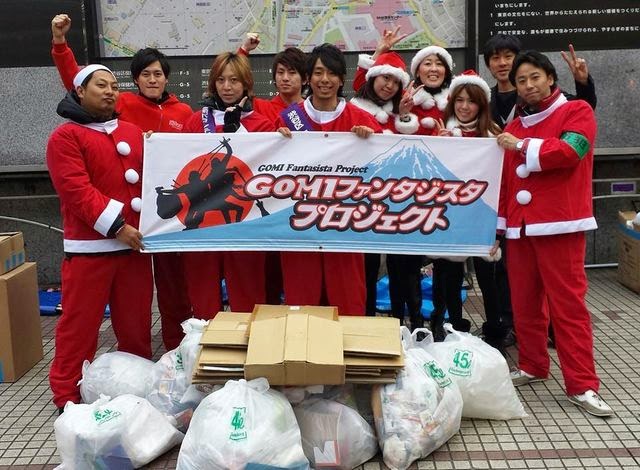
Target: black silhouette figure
<point>208,193</point>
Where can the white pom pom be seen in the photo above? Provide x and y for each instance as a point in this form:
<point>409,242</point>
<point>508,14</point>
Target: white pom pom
<point>123,148</point>
<point>428,122</point>
<point>131,176</point>
<point>382,117</point>
<point>523,197</point>
<point>136,204</point>
<point>456,131</point>
<point>522,171</point>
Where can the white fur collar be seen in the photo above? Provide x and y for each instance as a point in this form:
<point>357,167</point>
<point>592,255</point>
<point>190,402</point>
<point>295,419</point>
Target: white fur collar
<point>323,117</point>
<point>426,100</point>
<point>533,119</point>
<point>105,127</point>
<point>381,113</point>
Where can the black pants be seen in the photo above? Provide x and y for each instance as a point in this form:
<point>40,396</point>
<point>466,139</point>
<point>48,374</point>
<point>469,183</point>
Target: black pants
<point>371,268</point>
<point>405,287</point>
<point>447,283</point>
<point>496,297</point>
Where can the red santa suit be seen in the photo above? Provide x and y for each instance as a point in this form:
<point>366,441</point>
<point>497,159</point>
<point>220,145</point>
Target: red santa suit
<point>545,208</point>
<point>313,278</point>
<point>169,115</point>
<point>243,271</point>
<point>95,169</point>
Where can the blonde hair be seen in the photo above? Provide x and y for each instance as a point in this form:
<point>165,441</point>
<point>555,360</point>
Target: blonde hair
<point>240,66</point>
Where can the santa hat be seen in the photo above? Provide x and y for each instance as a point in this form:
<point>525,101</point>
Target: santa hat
<point>427,51</point>
<point>469,77</point>
<point>88,70</point>
<point>390,63</point>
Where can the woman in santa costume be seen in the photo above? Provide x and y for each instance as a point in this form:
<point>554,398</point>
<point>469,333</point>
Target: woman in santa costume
<point>95,163</point>
<point>467,114</point>
<point>382,83</point>
<point>545,208</point>
<point>227,108</point>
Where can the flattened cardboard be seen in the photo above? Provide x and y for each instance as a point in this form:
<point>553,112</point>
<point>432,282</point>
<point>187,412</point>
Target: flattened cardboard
<point>300,349</point>
<point>11,251</point>
<point>265,312</point>
<point>629,256</point>
<point>222,357</point>
<point>227,330</point>
<point>20,331</point>
<point>371,336</point>
<point>355,362</point>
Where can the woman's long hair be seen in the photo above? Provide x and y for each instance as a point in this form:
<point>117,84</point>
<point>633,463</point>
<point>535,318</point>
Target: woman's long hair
<point>367,92</point>
<point>486,126</point>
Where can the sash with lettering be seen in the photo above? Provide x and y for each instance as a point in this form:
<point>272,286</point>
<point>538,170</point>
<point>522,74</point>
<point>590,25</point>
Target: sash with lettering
<point>296,119</point>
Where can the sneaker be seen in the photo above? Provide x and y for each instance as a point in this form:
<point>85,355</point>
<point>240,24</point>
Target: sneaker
<point>520,377</point>
<point>591,402</point>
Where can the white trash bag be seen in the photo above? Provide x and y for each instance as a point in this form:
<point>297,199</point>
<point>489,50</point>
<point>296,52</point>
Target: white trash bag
<point>114,374</point>
<point>170,377</point>
<point>482,375</point>
<point>126,432</point>
<point>421,411</point>
<point>242,423</point>
<point>334,435</point>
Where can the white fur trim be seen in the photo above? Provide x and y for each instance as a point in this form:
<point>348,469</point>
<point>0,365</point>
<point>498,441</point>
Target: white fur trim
<point>84,72</point>
<point>409,127</point>
<point>470,80</point>
<point>105,127</point>
<point>533,154</point>
<point>365,61</point>
<point>442,99</point>
<point>387,131</point>
<point>533,119</point>
<point>107,217</point>
<point>381,113</point>
<point>400,74</point>
<point>427,51</point>
<point>513,232</point>
<point>424,99</point>
<point>323,117</point>
<point>556,228</point>
<point>457,132</point>
<point>94,246</point>
<point>502,223</point>
<point>428,122</point>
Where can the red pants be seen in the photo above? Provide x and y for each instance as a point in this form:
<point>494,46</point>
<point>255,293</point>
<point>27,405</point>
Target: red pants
<point>173,298</point>
<point>124,281</point>
<point>552,267</point>
<point>325,278</point>
<point>243,272</point>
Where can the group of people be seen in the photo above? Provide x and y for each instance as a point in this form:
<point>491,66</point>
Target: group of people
<point>95,162</point>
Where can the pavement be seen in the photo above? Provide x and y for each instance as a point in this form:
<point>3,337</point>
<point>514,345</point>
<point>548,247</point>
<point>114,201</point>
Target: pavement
<point>555,435</point>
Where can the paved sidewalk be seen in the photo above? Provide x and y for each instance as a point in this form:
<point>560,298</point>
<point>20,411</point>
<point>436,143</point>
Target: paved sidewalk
<point>556,435</point>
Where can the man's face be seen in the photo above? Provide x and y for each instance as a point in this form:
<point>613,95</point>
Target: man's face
<point>99,95</point>
<point>500,64</point>
<point>533,83</point>
<point>152,81</point>
<point>288,80</point>
<point>324,83</point>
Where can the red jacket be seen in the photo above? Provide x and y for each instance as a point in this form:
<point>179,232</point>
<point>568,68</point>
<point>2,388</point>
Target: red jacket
<point>87,168</point>
<point>168,116</point>
<point>250,122</point>
<point>547,188</point>
<point>270,108</point>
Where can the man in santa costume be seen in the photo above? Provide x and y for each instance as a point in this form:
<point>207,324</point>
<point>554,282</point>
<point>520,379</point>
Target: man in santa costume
<point>545,208</point>
<point>326,278</point>
<point>95,163</point>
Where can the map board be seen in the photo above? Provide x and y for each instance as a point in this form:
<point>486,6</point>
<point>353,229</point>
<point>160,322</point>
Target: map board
<point>207,27</point>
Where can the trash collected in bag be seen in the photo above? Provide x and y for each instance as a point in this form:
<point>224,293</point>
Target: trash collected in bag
<point>421,411</point>
<point>114,374</point>
<point>482,375</point>
<point>126,432</point>
<point>242,423</point>
<point>334,435</point>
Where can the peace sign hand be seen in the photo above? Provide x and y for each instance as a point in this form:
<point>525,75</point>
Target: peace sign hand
<point>406,102</point>
<point>577,65</point>
<point>389,39</point>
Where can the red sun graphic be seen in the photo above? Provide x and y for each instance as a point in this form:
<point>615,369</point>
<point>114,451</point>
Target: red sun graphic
<point>211,189</point>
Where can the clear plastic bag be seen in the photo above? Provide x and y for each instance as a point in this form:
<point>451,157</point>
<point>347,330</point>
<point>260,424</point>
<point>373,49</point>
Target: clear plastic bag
<point>242,423</point>
<point>114,374</point>
<point>170,377</point>
<point>334,435</point>
<point>482,375</point>
<point>126,432</point>
<point>421,411</point>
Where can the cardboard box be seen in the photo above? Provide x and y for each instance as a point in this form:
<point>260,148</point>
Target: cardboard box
<point>265,312</point>
<point>228,330</point>
<point>301,349</point>
<point>371,336</point>
<point>628,253</point>
<point>11,251</point>
<point>20,331</point>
